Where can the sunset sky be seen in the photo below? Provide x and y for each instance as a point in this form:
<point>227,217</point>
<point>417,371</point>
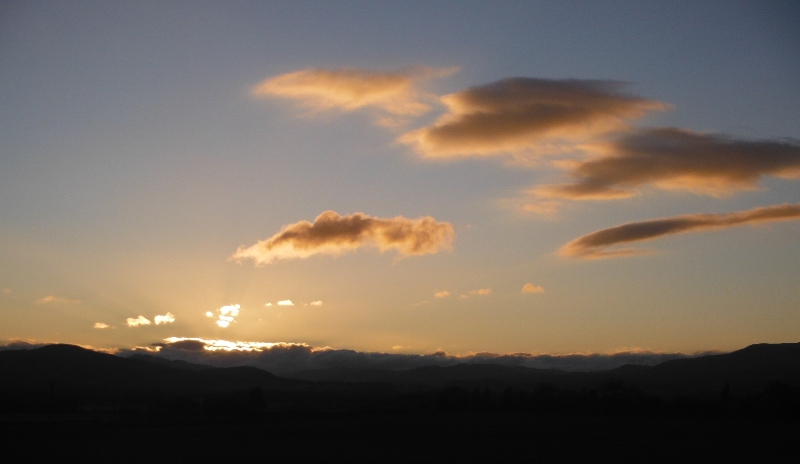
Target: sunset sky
<point>401,177</point>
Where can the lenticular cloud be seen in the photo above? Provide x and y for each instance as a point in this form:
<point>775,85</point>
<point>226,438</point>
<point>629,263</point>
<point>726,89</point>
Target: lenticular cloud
<point>526,115</point>
<point>597,244</point>
<point>333,234</point>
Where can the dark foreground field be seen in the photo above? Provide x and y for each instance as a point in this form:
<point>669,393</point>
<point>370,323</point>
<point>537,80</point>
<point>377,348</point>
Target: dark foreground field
<point>402,437</point>
<point>62,403</point>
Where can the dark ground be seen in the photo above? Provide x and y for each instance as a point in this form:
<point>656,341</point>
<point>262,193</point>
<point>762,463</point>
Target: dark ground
<point>399,437</point>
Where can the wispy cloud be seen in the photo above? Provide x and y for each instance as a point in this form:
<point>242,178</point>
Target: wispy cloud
<point>530,288</point>
<point>526,115</point>
<point>165,319</point>
<point>101,325</point>
<point>393,94</point>
<point>672,158</point>
<point>139,321</point>
<point>597,244</point>
<point>225,315</point>
<point>478,292</point>
<point>333,234</point>
<point>442,294</point>
<point>57,300</point>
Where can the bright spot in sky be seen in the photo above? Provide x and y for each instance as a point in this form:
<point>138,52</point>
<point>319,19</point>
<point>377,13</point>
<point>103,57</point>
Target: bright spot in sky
<point>226,315</point>
<point>100,325</point>
<point>141,320</point>
<point>316,303</point>
<point>165,319</point>
<point>285,303</point>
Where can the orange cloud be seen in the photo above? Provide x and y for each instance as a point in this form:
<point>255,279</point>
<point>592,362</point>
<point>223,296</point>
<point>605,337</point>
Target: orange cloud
<point>530,288</point>
<point>347,89</point>
<point>520,114</point>
<point>596,244</point>
<point>442,294</point>
<point>672,158</point>
<point>333,234</point>
<point>100,325</point>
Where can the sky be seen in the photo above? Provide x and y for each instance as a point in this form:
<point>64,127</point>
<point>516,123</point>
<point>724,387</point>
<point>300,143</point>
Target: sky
<point>401,177</point>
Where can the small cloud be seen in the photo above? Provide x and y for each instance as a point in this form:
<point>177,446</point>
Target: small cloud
<point>400,347</point>
<point>101,325</point>
<point>333,234</point>
<point>530,288</point>
<point>268,304</point>
<point>442,294</point>
<point>595,245</point>
<point>141,320</point>
<point>316,303</point>
<point>285,303</point>
<point>479,292</point>
<point>57,300</point>
<point>165,319</point>
<point>392,94</point>
<point>227,315</point>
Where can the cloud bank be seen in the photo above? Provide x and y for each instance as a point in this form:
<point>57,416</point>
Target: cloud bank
<point>672,158</point>
<point>333,234</point>
<point>346,89</point>
<point>596,244</point>
<point>289,358</point>
<point>521,114</point>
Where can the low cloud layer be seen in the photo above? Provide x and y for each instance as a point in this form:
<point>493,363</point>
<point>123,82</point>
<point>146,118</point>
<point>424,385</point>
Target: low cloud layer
<point>597,244</point>
<point>521,114</point>
<point>333,234</point>
<point>289,358</point>
<point>672,158</point>
<point>394,94</point>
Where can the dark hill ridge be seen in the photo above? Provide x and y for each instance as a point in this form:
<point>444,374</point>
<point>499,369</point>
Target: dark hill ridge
<point>75,367</point>
<point>746,370</point>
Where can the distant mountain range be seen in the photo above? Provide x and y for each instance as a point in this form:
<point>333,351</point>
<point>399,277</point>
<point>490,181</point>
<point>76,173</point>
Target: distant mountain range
<point>746,369</point>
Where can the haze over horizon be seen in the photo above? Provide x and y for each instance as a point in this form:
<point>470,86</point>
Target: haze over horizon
<point>513,178</point>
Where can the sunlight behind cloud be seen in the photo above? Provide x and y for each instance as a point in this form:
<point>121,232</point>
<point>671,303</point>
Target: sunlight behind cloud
<point>165,319</point>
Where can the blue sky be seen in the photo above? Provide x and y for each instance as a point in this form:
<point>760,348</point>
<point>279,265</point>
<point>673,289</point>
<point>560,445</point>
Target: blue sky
<point>135,159</point>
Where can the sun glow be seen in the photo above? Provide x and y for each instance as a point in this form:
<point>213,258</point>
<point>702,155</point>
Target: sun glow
<point>226,345</point>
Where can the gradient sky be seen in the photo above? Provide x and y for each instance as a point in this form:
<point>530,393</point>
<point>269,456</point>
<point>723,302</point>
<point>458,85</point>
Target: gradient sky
<point>146,148</point>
